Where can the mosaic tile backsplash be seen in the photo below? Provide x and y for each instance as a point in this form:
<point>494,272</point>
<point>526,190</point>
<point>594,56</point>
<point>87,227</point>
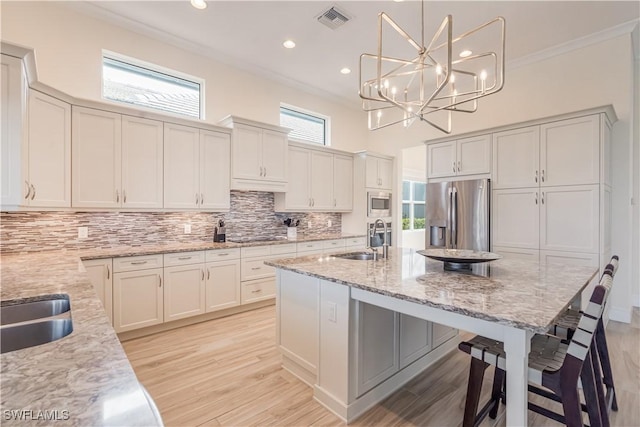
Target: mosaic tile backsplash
<point>251,215</point>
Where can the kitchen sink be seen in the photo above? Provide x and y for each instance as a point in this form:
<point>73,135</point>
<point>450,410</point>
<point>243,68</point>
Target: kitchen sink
<point>19,336</point>
<point>33,310</point>
<point>362,256</point>
<point>35,322</point>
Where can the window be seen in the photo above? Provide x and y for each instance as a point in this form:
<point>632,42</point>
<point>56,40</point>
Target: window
<point>306,126</point>
<point>135,82</point>
<point>413,209</point>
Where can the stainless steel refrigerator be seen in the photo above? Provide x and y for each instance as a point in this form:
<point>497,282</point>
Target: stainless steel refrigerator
<point>457,215</point>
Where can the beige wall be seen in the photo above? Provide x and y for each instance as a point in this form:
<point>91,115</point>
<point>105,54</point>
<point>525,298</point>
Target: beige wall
<point>69,45</point>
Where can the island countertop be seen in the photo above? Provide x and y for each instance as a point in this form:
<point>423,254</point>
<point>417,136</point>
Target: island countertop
<point>518,293</point>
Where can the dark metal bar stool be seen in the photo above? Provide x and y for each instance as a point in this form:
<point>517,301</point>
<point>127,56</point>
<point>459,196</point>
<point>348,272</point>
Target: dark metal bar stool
<point>556,369</point>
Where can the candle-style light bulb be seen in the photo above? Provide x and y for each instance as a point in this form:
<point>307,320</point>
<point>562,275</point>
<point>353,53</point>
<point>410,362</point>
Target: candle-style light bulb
<point>393,93</point>
<point>483,81</point>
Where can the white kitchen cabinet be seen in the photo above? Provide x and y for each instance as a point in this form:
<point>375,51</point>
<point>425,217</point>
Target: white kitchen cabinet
<point>258,281</point>
<point>258,290</point>
<point>517,253</point>
<point>96,151</point>
<point>333,245</point>
<point>342,183</point>
<point>222,284</point>
<point>378,172</point>
<point>377,350</point>
<point>137,299</point>
<point>142,163</point>
<point>415,339</point>
<point>354,243</point>
<point>321,181</point>
<point>195,168</point>
<point>258,155</point>
<point>441,334</point>
<point>467,156</point>
<point>13,110</point>
<point>298,195</point>
<point>309,248</point>
<point>515,219</point>
<point>184,291</point>
<point>101,277</point>
<point>569,258</point>
<point>516,160</point>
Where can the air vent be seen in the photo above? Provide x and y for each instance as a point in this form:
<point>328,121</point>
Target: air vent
<point>333,17</point>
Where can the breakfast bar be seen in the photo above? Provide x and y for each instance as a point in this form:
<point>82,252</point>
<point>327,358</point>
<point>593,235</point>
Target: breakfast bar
<point>508,300</point>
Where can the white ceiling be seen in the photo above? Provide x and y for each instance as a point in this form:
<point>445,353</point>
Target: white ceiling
<point>249,34</point>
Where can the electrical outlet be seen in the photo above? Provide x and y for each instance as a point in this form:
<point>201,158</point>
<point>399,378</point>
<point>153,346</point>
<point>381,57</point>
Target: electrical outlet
<point>187,229</point>
<point>329,223</point>
<point>83,232</point>
<point>333,315</point>
<point>309,224</point>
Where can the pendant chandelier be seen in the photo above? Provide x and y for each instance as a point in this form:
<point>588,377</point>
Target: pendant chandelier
<point>430,82</point>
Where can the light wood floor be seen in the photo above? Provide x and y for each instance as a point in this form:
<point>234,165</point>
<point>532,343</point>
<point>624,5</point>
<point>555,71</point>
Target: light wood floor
<point>226,372</point>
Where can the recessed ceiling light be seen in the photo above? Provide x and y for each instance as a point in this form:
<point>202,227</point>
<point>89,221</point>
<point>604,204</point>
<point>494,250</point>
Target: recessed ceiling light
<point>199,4</point>
<point>345,70</point>
<point>289,44</point>
<point>465,53</point>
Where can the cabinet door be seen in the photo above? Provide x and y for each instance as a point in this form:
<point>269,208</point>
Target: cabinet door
<point>569,258</point>
<point>377,352</point>
<point>515,221</point>
<point>474,155</point>
<point>569,218</point>
<point>299,193</point>
<point>184,291</point>
<point>517,253</point>
<point>274,156</point>
<point>441,159</point>
<point>246,152</point>
<point>258,290</point>
<point>49,154</point>
<point>321,180</point>
<point>142,163</point>
<point>385,173</point>
<point>441,334</point>
<point>371,172</point>
<point>137,299</point>
<point>223,285</point>
<point>96,158</point>
<point>215,157</point>
<point>181,167</point>
<point>342,183</point>
<point>99,272</point>
<point>516,158</point>
<point>570,151</point>
<point>415,339</point>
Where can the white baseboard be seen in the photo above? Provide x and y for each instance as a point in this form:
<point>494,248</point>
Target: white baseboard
<point>636,300</point>
<point>620,315</point>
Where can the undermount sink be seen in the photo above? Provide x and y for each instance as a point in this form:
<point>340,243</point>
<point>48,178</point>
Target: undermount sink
<point>362,256</point>
<point>31,323</point>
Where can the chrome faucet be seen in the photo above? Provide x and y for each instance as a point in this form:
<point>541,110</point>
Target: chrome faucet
<point>385,244</point>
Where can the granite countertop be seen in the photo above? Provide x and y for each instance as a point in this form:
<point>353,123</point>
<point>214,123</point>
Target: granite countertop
<point>518,293</point>
<point>85,376</point>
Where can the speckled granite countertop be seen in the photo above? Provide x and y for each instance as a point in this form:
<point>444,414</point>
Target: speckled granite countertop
<point>86,373</point>
<point>519,293</point>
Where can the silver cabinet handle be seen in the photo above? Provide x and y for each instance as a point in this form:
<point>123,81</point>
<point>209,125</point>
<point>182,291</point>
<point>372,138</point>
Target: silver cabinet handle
<point>28,190</point>
<point>536,197</point>
<point>202,274</point>
<point>33,195</point>
<point>108,272</point>
<point>454,167</point>
<point>265,171</point>
<point>542,176</point>
<point>117,196</point>
<point>201,199</point>
<point>458,165</point>
<point>309,201</point>
<point>224,254</point>
<point>124,196</point>
<point>138,262</point>
<point>182,258</point>
<point>536,177</point>
<point>542,198</point>
<point>256,268</point>
<point>335,203</point>
<point>197,199</point>
<point>208,274</point>
<point>159,281</point>
<point>313,202</point>
<point>257,291</point>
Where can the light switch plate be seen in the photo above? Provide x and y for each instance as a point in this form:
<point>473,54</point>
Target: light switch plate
<point>329,223</point>
<point>187,229</point>
<point>83,232</point>
<point>333,312</point>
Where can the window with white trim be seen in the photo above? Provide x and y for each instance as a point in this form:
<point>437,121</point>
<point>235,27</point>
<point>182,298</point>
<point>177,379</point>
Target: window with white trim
<point>305,126</point>
<point>413,206</point>
<point>142,84</point>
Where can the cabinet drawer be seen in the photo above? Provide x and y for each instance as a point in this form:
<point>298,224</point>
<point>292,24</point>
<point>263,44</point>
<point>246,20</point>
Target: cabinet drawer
<point>255,269</point>
<point>333,245</point>
<point>183,258</point>
<point>255,251</point>
<point>309,247</point>
<point>141,262</point>
<point>355,241</point>
<point>287,248</point>
<point>222,254</point>
<point>258,290</point>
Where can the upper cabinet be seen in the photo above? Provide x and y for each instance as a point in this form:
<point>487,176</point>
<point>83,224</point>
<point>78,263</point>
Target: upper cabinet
<point>319,180</point>
<point>258,155</point>
<point>196,168</point>
<point>378,172</point>
<point>516,162</point>
<point>468,156</point>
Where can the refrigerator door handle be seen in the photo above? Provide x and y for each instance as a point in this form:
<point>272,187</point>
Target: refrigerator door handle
<point>454,218</point>
<point>449,243</point>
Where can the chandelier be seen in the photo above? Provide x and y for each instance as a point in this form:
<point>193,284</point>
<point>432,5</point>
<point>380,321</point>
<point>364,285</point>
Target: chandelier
<point>430,82</point>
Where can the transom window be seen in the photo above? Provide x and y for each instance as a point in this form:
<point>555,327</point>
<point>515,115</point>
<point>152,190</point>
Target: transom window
<point>413,208</point>
<point>306,126</point>
<point>132,81</point>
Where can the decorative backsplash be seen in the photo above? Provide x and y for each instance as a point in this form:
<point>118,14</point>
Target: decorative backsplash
<point>251,215</point>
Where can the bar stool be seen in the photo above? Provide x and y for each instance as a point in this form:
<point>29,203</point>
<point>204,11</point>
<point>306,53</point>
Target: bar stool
<point>565,327</point>
<point>557,366</point>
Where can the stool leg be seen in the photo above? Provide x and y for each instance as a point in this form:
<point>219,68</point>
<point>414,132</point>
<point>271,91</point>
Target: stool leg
<point>603,353</point>
<point>597,377</point>
<point>474,387</point>
<point>571,406</point>
<point>590,393</point>
<point>499,378</point>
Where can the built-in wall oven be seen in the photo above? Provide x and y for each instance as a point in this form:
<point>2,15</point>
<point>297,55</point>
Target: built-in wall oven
<point>378,204</point>
<point>375,236</point>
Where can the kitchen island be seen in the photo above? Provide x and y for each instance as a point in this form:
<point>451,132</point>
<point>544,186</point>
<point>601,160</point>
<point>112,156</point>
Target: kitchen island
<point>352,356</point>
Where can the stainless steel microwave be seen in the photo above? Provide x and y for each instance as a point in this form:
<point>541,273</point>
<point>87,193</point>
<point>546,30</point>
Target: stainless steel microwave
<point>378,204</point>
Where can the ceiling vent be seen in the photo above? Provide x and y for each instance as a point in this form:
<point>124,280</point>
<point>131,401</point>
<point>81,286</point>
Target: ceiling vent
<point>333,17</point>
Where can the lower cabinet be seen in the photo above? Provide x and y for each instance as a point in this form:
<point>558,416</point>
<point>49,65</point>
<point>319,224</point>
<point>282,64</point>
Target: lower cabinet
<point>100,276</point>
<point>138,299</point>
<point>222,284</point>
<point>258,290</point>
<point>415,339</point>
<point>184,291</point>
<point>441,334</point>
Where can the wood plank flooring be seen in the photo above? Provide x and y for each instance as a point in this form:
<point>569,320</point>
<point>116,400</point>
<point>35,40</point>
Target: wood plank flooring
<point>226,372</point>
